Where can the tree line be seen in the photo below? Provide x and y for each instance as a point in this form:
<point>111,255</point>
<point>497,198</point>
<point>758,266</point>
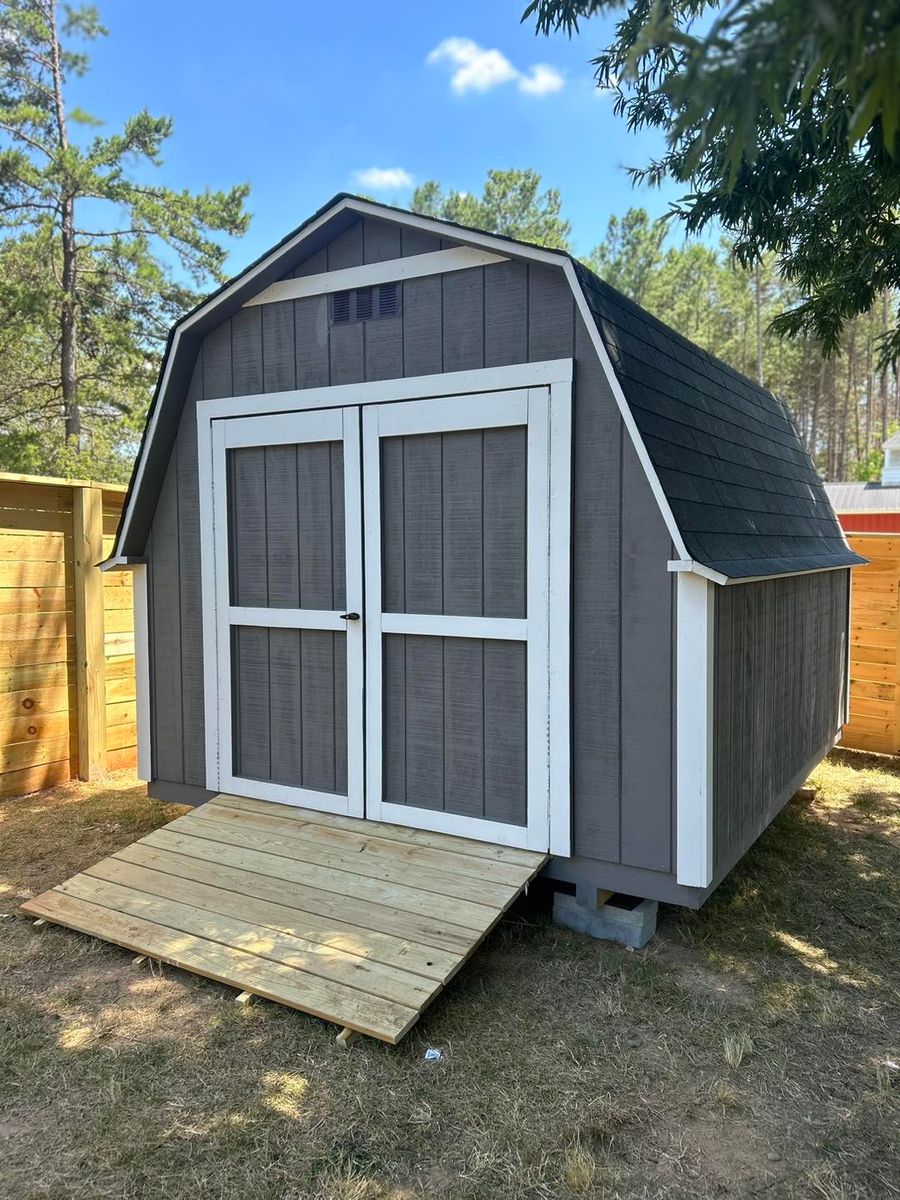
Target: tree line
<point>845,404</point>
<point>97,260</point>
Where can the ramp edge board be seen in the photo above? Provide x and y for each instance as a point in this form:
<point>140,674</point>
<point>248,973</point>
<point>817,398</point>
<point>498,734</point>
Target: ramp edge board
<point>274,908</point>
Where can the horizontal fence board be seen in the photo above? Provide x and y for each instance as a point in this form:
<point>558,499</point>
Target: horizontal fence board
<point>36,625</point>
<point>45,775</point>
<point>37,701</point>
<point>31,573</point>
<point>15,600</point>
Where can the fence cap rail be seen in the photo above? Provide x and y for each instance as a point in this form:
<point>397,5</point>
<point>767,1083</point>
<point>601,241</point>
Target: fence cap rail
<point>52,481</point>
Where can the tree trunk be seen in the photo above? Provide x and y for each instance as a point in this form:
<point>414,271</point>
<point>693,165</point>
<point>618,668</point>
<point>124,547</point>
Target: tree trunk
<point>759,341</point>
<point>68,317</point>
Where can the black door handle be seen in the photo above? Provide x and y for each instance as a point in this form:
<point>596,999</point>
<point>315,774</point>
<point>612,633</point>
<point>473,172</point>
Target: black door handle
<point>349,616</point>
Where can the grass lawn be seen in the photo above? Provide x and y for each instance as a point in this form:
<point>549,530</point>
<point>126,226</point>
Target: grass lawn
<point>746,1052</point>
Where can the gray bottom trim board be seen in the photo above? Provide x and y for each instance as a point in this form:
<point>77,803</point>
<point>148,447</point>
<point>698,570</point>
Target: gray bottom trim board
<point>632,881</point>
<point>178,793</point>
<point>658,885</point>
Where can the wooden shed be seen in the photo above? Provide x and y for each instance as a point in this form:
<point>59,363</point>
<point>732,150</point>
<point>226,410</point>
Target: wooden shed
<point>435,528</point>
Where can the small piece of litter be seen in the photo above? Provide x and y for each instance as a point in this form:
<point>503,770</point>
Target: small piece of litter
<point>634,1042</point>
<point>773,1156</point>
<point>432,1055</point>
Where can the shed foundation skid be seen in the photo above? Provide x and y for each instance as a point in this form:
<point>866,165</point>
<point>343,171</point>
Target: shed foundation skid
<point>631,924</point>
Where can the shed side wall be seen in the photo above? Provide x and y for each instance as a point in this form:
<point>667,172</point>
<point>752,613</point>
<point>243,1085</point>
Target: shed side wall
<point>779,679</point>
<point>622,596</point>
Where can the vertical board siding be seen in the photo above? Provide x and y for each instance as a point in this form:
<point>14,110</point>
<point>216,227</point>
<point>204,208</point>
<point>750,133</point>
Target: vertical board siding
<point>646,675</point>
<point>463,301</point>
<point>454,725</point>
<point>779,668</point>
<point>506,313</point>
<point>165,617</point>
<point>597,520</point>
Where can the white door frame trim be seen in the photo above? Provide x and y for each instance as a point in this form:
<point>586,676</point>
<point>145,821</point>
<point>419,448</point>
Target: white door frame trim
<point>553,380</point>
<point>546,412</point>
<point>215,437</point>
<point>388,391</point>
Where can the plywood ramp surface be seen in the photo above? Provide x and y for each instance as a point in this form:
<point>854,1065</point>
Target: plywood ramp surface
<point>357,922</point>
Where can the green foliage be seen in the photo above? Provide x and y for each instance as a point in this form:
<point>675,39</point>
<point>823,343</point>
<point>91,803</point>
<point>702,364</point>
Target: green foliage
<point>844,407</point>
<point>630,254</point>
<point>784,120</point>
<point>85,304</point>
<point>511,204</point>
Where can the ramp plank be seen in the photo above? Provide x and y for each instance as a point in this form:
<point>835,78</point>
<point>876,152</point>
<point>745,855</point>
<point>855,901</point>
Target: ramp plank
<point>357,922</point>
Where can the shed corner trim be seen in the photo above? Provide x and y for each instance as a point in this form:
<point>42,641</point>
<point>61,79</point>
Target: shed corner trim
<point>694,698</point>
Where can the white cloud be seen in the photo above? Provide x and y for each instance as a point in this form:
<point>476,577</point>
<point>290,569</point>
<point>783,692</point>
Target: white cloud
<point>541,80</point>
<point>475,69</point>
<point>384,179</point>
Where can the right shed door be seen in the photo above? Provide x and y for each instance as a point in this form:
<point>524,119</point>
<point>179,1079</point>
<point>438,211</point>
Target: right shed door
<point>457,536</point>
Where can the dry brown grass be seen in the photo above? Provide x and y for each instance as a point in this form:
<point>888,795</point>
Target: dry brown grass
<point>571,1069</point>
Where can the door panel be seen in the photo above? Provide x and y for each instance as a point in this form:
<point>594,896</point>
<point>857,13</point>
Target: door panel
<point>286,526</point>
<point>289,690</point>
<point>454,518</point>
<point>457,503</point>
<point>455,726</point>
<point>288,570</point>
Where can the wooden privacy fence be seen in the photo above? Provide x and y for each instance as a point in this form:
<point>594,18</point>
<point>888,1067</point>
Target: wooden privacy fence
<point>875,645</point>
<point>67,683</point>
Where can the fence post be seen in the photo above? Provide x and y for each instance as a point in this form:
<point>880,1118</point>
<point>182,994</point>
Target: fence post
<point>90,673</point>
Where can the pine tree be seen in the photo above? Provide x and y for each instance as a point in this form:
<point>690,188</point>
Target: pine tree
<point>91,288</point>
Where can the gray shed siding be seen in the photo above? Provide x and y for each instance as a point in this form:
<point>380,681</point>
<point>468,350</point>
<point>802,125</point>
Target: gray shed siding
<point>622,595</point>
<point>778,685</point>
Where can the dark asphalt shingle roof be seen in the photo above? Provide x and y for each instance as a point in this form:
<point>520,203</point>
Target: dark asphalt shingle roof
<point>742,488</point>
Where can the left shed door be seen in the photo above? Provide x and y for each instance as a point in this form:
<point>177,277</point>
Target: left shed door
<point>288,581</point>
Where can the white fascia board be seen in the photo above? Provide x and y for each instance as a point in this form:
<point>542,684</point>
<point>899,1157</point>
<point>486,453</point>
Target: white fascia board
<point>694,698</point>
<point>502,247</point>
<point>691,566</point>
<point>390,270</point>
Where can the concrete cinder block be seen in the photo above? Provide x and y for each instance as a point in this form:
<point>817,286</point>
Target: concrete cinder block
<point>633,926</point>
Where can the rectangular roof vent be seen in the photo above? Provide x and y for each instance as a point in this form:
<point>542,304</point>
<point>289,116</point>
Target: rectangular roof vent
<point>366,304</point>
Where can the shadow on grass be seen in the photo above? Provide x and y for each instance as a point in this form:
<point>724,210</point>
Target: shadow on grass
<point>820,890</point>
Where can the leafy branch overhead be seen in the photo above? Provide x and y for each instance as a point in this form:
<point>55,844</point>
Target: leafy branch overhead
<point>783,118</point>
<point>97,259</point>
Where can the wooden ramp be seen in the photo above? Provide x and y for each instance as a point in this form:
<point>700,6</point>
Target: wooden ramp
<point>357,922</point>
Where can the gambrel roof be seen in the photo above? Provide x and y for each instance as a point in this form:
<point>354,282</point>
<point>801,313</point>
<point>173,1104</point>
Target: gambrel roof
<point>738,490</point>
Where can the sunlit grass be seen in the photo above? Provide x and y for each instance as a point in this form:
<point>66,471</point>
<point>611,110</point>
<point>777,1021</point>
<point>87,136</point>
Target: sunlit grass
<point>745,1052</point>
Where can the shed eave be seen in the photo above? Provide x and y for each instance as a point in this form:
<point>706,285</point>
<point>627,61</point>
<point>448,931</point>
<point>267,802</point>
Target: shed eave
<point>691,566</point>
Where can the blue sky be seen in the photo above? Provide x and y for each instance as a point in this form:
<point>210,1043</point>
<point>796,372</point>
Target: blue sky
<point>299,98</point>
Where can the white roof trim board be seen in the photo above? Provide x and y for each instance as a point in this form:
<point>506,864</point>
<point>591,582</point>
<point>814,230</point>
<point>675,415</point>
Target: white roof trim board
<point>711,429</point>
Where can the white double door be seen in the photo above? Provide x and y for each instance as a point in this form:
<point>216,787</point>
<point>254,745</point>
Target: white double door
<point>383,611</point>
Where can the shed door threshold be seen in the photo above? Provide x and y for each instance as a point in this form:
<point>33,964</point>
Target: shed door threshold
<point>354,921</point>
